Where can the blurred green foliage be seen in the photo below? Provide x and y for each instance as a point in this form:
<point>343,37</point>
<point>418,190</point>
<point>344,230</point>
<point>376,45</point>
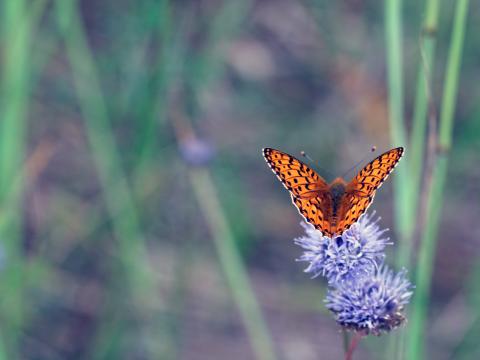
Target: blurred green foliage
<point>138,219</point>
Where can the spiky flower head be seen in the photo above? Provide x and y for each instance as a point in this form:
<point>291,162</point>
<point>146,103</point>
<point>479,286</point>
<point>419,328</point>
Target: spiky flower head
<point>355,254</point>
<point>371,304</point>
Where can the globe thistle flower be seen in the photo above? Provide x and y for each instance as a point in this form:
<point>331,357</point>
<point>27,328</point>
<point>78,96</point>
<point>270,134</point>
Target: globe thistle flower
<point>355,254</point>
<point>372,304</point>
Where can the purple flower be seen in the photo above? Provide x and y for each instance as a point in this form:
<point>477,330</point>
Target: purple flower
<point>357,253</point>
<point>195,151</point>
<point>371,304</point>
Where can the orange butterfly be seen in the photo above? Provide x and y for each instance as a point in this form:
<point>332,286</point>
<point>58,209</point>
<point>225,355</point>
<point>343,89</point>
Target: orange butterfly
<point>331,208</point>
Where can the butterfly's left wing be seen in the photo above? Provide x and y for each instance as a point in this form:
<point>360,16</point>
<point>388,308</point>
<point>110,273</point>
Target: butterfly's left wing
<point>297,177</point>
<point>361,190</point>
<point>315,211</point>
<point>308,190</point>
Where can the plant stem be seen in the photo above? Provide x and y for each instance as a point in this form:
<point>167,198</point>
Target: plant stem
<point>401,181</point>
<point>436,192</point>
<point>428,41</point>
<point>416,150</point>
<point>231,263</point>
<point>353,345</point>
<point>106,157</point>
<point>119,201</point>
<point>396,346</point>
<point>468,343</point>
<point>18,26</point>
<point>346,340</point>
<point>229,256</point>
<point>155,97</point>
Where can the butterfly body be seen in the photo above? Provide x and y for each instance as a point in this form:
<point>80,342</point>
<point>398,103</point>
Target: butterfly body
<point>331,208</point>
<point>337,191</point>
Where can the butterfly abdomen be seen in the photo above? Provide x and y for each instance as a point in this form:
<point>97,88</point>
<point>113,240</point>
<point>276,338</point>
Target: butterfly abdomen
<point>337,191</point>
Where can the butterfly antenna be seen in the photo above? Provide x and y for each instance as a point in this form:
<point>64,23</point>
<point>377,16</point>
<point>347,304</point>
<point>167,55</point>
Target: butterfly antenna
<point>372,149</point>
<point>305,155</point>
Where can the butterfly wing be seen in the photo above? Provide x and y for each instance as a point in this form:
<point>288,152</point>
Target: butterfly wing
<point>315,211</point>
<point>361,190</point>
<point>297,177</point>
<point>353,206</point>
<point>308,190</point>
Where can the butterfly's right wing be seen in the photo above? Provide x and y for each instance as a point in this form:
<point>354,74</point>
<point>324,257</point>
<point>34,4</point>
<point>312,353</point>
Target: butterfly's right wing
<point>308,190</point>
<point>361,190</point>
<point>372,176</point>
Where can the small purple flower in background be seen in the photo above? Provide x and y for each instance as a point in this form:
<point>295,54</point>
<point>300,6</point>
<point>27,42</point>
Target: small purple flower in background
<point>195,151</point>
<point>373,304</point>
<point>355,254</point>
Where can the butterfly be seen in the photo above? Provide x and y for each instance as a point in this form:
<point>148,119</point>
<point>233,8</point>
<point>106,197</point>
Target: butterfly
<point>331,208</point>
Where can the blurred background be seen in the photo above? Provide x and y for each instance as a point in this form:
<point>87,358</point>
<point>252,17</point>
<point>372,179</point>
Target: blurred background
<point>138,217</point>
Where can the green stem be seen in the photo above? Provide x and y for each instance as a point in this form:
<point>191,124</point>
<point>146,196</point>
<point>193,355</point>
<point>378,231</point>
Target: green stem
<point>401,183</point>
<point>428,41</point>
<point>231,263</point>
<point>119,201</point>
<point>18,26</point>
<point>436,192</point>
<point>118,196</point>
<point>468,345</point>
<point>156,95</point>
